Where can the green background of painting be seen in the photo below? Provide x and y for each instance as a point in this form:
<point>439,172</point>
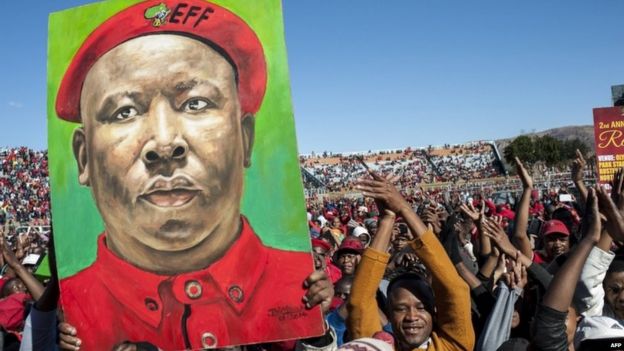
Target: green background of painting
<point>273,198</point>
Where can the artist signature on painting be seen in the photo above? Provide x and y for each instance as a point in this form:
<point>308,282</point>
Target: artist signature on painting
<point>286,313</point>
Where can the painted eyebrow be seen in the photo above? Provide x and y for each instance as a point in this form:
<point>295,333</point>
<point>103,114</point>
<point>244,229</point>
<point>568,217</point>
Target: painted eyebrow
<point>187,85</point>
<point>111,101</point>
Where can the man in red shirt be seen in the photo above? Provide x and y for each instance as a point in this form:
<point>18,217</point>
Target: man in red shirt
<point>166,92</point>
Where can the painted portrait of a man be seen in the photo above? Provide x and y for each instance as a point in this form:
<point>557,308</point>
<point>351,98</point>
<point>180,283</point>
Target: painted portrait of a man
<point>163,99</point>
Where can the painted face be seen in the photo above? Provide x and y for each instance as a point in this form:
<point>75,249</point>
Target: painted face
<point>614,292</point>
<point>556,244</point>
<point>348,261</point>
<point>411,322</point>
<point>163,145</point>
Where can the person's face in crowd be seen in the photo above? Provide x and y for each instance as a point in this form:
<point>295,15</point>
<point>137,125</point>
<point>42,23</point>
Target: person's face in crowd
<point>16,286</point>
<point>571,323</point>
<point>515,319</point>
<point>365,239</point>
<point>343,289</point>
<point>505,223</point>
<point>400,240</point>
<point>372,229</point>
<point>556,244</point>
<point>348,261</point>
<point>319,258</point>
<point>614,292</point>
<point>533,239</point>
<point>336,223</point>
<point>411,322</point>
<point>163,144</point>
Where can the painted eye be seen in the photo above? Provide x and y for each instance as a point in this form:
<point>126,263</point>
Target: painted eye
<point>125,113</point>
<point>195,104</point>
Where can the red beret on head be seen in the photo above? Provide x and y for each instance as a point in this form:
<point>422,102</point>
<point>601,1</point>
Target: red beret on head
<point>198,19</point>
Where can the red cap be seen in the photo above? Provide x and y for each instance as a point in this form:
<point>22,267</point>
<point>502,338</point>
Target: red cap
<point>555,226</point>
<point>349,244</point>
<point>507,213</point>
<point>321,243</point>
<point>192,18</point>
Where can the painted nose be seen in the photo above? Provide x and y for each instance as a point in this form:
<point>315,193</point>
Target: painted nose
<point>166,143</point>
<point>159,153</point>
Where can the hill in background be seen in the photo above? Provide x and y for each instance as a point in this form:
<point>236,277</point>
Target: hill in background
<point>584,133</point>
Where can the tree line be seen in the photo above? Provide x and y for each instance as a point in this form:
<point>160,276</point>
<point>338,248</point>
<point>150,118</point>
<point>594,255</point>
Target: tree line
<point>544,149</point>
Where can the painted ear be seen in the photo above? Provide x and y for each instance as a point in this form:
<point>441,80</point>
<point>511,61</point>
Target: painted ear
<point>248,124</point>
<point>80,154</point>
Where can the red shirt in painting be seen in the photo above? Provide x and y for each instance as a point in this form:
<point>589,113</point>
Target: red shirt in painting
<point>252,294</point>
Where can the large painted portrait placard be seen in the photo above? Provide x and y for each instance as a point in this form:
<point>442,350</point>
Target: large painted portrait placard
<point>177,201</point>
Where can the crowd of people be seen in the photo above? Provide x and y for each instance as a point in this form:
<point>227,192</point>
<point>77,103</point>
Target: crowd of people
<point>466,162</point>
<point>24,186</point>
<point>487,265</point>
<point>477,160</point>
<point>459,270</point>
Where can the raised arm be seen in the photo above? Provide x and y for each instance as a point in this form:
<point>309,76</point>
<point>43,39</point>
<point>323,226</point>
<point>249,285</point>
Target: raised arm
<point>32,284</point>
<point>453,325</point>
<point>613,207</point>
<point>577,168</point>
<point>520,237</point>
<point>498,326</point>
<point>485,247</point>
<point>559,294</point>
<point>589,295</point>
<point>363,319</point>
<point>549,329</point>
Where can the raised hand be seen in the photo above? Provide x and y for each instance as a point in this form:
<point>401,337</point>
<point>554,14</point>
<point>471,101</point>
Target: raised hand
<point>430,216</point>
<point>615,221</point>
<point>525,178</point>
<point>578,166</point>
<point>8,255</point>
<point>591,222</point>
<point>471,212</point>
<point>384,193</point>
<point>517,276</point>
<point>497,234</point>
<point>500,268</point>
<point>616,189</point>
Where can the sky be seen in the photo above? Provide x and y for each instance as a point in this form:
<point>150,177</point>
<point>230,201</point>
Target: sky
<point>370,75</point>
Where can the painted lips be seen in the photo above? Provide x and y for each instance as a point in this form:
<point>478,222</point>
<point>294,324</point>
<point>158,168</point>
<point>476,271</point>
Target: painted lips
<point>175,192</point>
<point>170,198</point>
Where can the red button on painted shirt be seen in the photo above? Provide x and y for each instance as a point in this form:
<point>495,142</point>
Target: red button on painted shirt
<point>251,295</point>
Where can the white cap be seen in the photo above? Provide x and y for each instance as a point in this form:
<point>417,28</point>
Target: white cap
<point>357,231</point>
